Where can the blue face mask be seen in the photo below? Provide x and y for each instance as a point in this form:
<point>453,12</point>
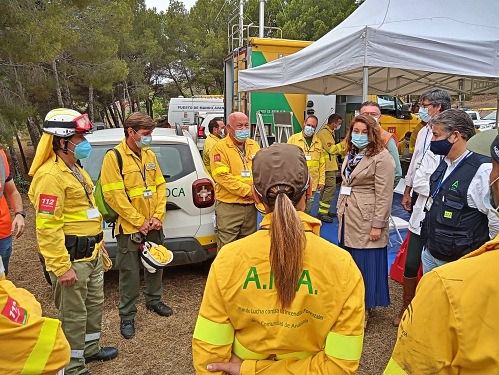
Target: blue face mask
<point>423,114</point>
<point>308,131</point>
<point>82,150</point>
<point>242,134</point>
<point>360,140</point>
<point>145,141</point>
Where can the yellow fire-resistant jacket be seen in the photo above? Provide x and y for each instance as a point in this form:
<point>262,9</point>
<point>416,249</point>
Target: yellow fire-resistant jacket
<point>29,343</point>
<point>125,193</point>
<point>326,136</point>
<point>316,161</point>
<point>209,143</point>
<point>451,326</point>
<point>232,171</point>
<point>62,208</point>
<point>320,333</point>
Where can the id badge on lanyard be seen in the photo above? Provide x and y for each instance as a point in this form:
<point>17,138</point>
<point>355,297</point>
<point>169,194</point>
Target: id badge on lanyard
<point>147,193</point>
<point>245,173</point>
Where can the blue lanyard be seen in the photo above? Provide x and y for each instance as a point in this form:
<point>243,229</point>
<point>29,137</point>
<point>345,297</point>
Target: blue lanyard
<point>441,178</point>
<point>425,148</point>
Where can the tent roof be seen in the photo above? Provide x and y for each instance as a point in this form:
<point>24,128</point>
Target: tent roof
<point>408,46</point>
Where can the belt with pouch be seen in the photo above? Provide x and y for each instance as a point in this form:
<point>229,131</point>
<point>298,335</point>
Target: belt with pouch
<point>80,247</point>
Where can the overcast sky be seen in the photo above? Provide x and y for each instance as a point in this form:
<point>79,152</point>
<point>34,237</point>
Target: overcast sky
<point>163,4</point>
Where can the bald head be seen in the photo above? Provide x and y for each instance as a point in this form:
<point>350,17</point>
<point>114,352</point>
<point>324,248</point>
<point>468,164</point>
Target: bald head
<point>238,127</point>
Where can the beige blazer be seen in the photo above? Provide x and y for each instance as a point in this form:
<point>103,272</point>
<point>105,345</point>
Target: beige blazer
<point>369,203</point>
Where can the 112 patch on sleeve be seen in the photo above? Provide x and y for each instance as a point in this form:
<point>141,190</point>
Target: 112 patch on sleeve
<point>14,312</point>
<point>47,203</point>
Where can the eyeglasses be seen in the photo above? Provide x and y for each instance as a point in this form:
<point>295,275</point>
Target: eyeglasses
<point>425,105</point>
<point>372,114</point>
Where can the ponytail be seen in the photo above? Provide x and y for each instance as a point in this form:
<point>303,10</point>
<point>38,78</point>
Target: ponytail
<point>287,242</point>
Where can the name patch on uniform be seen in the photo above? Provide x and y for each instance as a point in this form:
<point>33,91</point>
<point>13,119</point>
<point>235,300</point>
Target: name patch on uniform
<point>47,203</point>
<point>14,312</point>
<point>217,157</point>
<point>448,214</point>
<point>150,166</point>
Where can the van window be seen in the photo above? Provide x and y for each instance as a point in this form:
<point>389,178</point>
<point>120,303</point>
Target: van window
<point>175,160</point>
<point>472,115</point>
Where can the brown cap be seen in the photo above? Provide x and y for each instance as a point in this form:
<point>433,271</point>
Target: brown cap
<point>280,164</point>
<point>139,120</point>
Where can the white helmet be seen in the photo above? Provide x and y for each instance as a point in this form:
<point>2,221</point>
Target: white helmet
<point>154,256</point>
<point>64,122</point>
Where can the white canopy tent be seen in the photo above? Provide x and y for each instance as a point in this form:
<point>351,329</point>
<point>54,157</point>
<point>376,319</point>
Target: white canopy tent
<point>395,47</point>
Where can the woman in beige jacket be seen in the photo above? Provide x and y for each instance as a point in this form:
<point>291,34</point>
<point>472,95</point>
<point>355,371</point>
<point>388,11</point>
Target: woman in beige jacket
<point>364,206</point>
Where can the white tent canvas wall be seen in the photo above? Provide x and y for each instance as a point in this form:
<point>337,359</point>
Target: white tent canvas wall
<point>396,47</point>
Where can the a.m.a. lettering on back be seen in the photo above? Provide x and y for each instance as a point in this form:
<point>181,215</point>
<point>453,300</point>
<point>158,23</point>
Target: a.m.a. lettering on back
<point>254,281</point>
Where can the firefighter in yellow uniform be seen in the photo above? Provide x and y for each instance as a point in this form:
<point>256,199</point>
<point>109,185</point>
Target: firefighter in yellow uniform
<point>451,325</point>
<point>216,128</point>
<point>326,136</point>
<point>69,234</point>
<point>269,307</point>
<point>231,162</point>
<point>311,145</point>
<point>137,193</point>
<point>29,342</point>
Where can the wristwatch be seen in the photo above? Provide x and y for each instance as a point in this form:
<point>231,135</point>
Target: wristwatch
<point>22,213</point>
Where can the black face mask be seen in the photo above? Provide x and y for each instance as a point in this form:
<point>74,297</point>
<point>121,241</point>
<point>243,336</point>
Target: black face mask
<point>441,147</point>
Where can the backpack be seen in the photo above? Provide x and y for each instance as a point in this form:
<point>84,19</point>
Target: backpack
<point>108,214</point>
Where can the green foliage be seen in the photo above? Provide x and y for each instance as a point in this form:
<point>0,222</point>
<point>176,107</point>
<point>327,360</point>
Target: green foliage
<point>87,54</point>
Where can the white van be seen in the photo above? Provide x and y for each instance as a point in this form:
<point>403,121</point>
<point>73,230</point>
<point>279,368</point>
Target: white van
<point>185,111</point>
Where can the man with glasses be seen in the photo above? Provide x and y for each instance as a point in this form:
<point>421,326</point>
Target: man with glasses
<point>311,145</point>
<point>372,109</point>
<point>231,160</point>
<point>423,164</point>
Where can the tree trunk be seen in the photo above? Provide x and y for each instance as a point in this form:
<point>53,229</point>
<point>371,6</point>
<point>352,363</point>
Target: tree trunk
<point>113,116</point>
<point>123,110</point>
<point>109,120</point>
<point>21,151</point>
<point>177,84</point>
<point>34,133</point>
<point>67,94</point>
<point>14,162</point>
<point>127,97</point>
<point>57,84</point>
<point>91,103</point>
<point>119,115</point>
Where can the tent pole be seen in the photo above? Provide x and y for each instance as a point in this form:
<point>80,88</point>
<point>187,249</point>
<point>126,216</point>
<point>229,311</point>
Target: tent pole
<point>261,19</point>
<point>365,83</point>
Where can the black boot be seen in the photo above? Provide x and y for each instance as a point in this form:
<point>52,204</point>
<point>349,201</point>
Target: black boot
<point>127,329</point>
<point>161,309</point>
<point>106,353</point>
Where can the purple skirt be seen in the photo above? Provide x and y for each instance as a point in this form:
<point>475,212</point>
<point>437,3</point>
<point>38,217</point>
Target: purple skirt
<point>373,265</point>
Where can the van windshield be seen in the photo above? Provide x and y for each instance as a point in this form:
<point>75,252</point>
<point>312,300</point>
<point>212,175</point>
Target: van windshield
<point>175,160</point>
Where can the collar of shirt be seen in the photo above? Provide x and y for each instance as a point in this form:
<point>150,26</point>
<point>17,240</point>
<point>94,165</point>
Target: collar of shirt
<point>452,164</point>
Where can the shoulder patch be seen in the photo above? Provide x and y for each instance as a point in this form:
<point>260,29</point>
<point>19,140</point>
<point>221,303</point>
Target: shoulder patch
<point>14,312</point>
<point>217,157</point>
<point>47,203</point>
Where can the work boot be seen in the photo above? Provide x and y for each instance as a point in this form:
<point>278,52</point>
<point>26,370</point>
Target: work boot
<point>127,329</point>
<point>325,218</point>
<point>161,309</point>
<point>106,353</point>
<point>410,284</point>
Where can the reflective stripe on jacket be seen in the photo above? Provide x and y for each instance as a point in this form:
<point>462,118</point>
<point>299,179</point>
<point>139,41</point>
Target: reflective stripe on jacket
<point>209,143</point>
<point>29,343</point>
<point>451,325</point>
<point>317,162</point>
<point>62,208</point>
<point>322,330</point>
<point>232,171</point>
<point>132,198</point>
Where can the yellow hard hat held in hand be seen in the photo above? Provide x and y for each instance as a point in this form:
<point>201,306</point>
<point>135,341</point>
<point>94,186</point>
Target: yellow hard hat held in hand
<point>154,256</point>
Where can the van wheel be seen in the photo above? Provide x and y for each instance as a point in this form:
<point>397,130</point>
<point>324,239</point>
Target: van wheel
<point>45,273</point>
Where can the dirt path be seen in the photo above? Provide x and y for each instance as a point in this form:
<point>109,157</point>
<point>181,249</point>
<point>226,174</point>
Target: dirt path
<point>163,345</point>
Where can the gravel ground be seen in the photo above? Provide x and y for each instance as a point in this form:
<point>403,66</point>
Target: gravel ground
<point>163,345</point>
